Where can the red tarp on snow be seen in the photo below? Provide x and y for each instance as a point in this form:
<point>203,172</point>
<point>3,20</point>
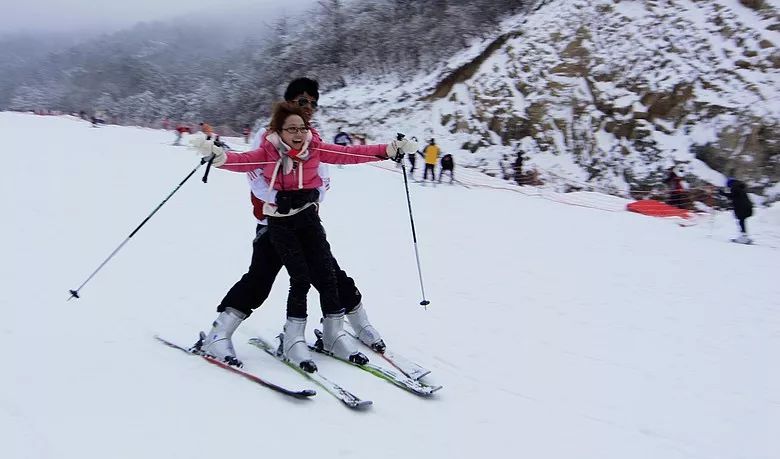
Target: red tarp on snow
<point>657,209</point>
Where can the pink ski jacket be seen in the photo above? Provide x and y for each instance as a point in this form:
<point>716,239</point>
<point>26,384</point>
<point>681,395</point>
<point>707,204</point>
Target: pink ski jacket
<point>288,169</point>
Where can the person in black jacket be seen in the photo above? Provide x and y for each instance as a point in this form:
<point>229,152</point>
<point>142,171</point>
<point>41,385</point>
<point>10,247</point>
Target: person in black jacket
<point>342,138</point>
<point>743,207</point>
<point>447,165</point>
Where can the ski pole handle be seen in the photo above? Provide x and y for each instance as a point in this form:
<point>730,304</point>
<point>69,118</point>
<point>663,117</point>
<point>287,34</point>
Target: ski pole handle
<point>398,155</point>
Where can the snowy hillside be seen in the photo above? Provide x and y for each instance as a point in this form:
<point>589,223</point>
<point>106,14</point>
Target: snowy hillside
<point>557,331</point>
<point>606,95</point>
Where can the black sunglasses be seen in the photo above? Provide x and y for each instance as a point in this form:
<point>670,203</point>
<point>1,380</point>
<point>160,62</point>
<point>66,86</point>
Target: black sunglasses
<point>302,102</point>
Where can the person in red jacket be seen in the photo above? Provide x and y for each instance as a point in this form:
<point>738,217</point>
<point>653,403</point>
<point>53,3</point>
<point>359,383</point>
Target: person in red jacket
<point>181,129</point>
<point>677,196</point>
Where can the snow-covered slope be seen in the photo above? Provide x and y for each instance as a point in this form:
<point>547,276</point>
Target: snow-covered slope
<point>606,95</point>
<point>557,331</point>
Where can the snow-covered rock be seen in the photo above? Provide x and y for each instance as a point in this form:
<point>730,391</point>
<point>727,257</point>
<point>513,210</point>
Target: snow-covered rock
<point>606,94</point>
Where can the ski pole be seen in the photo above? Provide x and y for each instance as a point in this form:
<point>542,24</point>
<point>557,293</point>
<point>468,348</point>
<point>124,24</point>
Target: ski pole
<point>210,159</point>
<point>424,301</point>
<point>204,160</point>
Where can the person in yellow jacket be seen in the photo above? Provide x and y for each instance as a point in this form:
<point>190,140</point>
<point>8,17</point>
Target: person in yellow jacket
<point>431,154</point>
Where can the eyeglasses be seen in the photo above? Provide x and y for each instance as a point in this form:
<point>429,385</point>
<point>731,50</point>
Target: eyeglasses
<point>295,130</point>
<point>302,102</point>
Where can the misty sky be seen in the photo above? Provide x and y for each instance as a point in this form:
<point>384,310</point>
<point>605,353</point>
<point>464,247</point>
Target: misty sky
<point>109,15</point>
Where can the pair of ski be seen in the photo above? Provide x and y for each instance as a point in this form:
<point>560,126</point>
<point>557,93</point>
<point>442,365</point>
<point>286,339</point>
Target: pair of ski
<point>402,379</point>
<point>408,379</point>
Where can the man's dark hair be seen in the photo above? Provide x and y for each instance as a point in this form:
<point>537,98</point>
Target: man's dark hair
<point>300,85</point>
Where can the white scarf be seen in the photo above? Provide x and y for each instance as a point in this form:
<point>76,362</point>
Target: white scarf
<point>287,162</point>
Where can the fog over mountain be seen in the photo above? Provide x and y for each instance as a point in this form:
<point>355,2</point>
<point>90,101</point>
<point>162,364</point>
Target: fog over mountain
<point>78,16</point>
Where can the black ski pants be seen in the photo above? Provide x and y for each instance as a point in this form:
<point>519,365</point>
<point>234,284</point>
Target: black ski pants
<point>452,174</point>
<point>429,167</point>
<point>301,244</point>
<point>253,288</point>
<point>742,224</point>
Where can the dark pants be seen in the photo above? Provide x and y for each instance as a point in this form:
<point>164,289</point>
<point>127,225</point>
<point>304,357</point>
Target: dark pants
<point>413,162</point>
<point>429,167</point>
<point>254,287</point>
<point>301,244</point>
<point>452,174</point>
<point>679,199</point>
<point>742,225</point>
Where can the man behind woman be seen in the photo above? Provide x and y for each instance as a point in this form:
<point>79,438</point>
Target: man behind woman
<point>289,157</point>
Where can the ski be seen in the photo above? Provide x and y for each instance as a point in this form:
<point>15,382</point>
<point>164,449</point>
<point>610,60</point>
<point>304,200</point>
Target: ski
<point>401,363</point>
<point>349,399</point>
<point>400,380</point>
<point>300,394</point>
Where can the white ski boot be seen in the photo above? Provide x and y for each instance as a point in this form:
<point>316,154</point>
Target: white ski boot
<point>365,332</point>
<point>337,342</point>
<point>219,343</point>
<point>294,347</point>
<point>743,239</point>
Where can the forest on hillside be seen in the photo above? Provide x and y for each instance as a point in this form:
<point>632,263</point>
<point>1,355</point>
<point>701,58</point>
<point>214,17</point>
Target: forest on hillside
<point>193,71</point>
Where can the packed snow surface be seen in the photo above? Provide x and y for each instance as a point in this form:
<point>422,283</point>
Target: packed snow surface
<point>557,331</point>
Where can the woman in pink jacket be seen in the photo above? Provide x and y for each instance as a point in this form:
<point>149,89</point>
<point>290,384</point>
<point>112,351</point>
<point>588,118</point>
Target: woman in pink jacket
<point>290,156</point>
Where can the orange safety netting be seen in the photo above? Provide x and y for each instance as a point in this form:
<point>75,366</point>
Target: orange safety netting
<point>657,209</point>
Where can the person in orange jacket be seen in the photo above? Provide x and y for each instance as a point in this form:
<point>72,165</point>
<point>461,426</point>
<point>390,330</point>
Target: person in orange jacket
<point>206,129</point>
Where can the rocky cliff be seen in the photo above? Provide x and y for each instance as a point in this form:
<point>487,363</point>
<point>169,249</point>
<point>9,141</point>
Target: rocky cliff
<point>604,95</point>
<point>629,88</point>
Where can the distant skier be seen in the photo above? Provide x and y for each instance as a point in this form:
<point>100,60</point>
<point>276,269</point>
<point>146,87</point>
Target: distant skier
<point>518,167</point>
<point>413,158</point>
<point>206,129</point>
<point>431,155</point>
<point>677,197</point>
<point>98,119</point>
<point>743,207</point>
<point>342,138</point>
<point>447,165</point>
<point>246,131</point>
<point>181,129</point>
